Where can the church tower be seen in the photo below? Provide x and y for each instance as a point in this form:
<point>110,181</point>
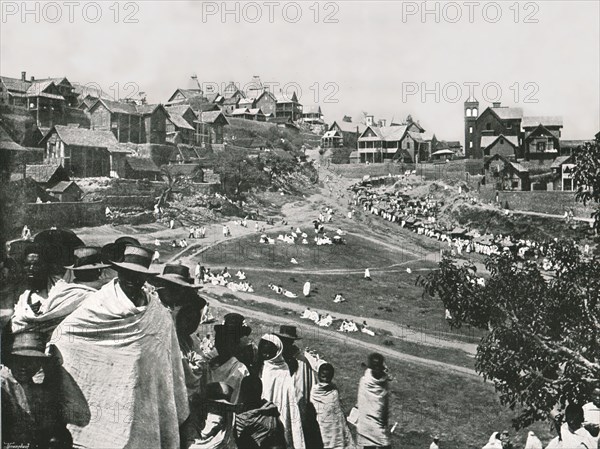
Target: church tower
<point>471,134</point>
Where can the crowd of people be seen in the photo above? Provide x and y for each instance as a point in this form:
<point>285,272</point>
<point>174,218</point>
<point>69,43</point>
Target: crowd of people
<point>87,362</point>
<point>419,215</point>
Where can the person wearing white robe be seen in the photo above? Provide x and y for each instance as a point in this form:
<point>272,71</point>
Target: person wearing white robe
<point>306,289</point>
<point>278,388</point>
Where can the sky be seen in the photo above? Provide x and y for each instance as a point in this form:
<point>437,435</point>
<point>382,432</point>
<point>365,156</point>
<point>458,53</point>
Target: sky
<point>389,59</point>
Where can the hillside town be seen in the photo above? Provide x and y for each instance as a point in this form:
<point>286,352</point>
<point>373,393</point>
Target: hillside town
<point>212,256</point>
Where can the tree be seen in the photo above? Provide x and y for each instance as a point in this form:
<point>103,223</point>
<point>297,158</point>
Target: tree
<point>542,345</point>
<point>543,341</point>
<point>239,173</point>
<point>586,176</point>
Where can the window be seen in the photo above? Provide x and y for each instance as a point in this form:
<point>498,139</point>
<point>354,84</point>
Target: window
<point>541,147</point>
<point>471,144</point>
<point>474,112</point>
<point>469,112</point>
<point>488,126</point>
<point>470,130</point>
<point>501,141</point>
<point>509,126</point>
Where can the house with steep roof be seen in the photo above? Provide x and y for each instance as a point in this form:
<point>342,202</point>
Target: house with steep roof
<point>381,143</point>
<point>541,137</point>
<point>185,95</point>
<point>312,115</point>
<point>46,175</point>
<point>563,167</point>
<point>84,152</point>
<point>287,106</point>
<point>507,146</point>
<point>345,134</point>
<point>506,174</point>
<point>66,191</point>
<point>267,103</point>
<point>210,128</point>
<point>130,122</point>
<point>180,124</point>
<point>493,121</point>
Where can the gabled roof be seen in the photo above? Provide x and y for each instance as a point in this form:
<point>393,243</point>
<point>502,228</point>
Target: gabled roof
<point>213,97</point>
<point>385,133</point>
<point>487,141</point>
<point>518,167</point>
<point>240,111</point>
<point>85,90</point>
<point>83,137</point>
<point>418,137</point>
<point>506,113</point>
<point>283,98</point>
<point>187,93</point>
<point>559,161</point>
<point>546,121</point>
<point>41,173</point>
<point>141,164</point>
<point>116,106</point>
<point>176,115</point>
<point>349,127</point>
<point>268,94</point>
<point>211,117</point>
<point>255,111</point>
<point>15,84</point>
<point>62,186</point>
<point>332,133</point>
<point>7,143</point>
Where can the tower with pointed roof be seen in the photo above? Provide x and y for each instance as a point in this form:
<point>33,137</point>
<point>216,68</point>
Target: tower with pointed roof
<point>471,111</point>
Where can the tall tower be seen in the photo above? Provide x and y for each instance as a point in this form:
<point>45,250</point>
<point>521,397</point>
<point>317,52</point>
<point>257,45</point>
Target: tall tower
<point>471,134</point>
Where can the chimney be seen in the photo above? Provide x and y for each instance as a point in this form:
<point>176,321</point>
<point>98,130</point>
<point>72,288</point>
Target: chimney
<point>32,78</point>
<point>370,120</point>
<point>383,122</point>
<point>23,76</point>
<point>496,104</point>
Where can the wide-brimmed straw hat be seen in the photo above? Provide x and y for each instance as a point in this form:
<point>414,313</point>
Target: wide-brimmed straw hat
<point>29,344</point>
<point>136,259</point>
<point>179,275</point>
<point>87,258</point>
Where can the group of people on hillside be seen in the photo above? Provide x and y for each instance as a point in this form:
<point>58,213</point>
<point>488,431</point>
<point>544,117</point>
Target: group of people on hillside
<point>89,361</point>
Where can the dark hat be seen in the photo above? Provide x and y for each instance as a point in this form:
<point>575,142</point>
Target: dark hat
<point>29,344</point>
<point>135,258</point>
<point>289,332</point>
<point>114,252</point>
<point>179,275</point>
<point>234,323</point>
<point>219,392</point>
<point>375,360</point>
<point>87,258</point>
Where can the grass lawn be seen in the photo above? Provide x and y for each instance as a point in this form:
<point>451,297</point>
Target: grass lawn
<point>424,401</point>
<point>357,253</point>
<point>451,356</point>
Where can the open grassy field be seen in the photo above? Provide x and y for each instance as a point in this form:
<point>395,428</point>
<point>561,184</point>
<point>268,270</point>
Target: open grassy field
<point>357,254</point>
<point>462,409</point>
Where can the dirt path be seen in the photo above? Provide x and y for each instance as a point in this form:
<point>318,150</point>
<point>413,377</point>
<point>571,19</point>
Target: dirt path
<point>438,339</point>
<point>345,338</point>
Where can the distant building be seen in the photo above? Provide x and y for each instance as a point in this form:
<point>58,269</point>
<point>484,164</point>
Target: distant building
<point>84,152</point>
<point>66,191</point>
<point>506,174</point>
<point>288,107</point>
<point>541,139</point>
<point>46,175</point>
<point>507,146</point>
<point>563,167</point>
<point>130,122</point>
<point>46,98</point>
<point>398,142</point>
<point>180,124</point>
<point>312,115</point>
<point>209,128</point>
<point>141,168</point>
<point>342,133</point>
<point>267,103</point>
